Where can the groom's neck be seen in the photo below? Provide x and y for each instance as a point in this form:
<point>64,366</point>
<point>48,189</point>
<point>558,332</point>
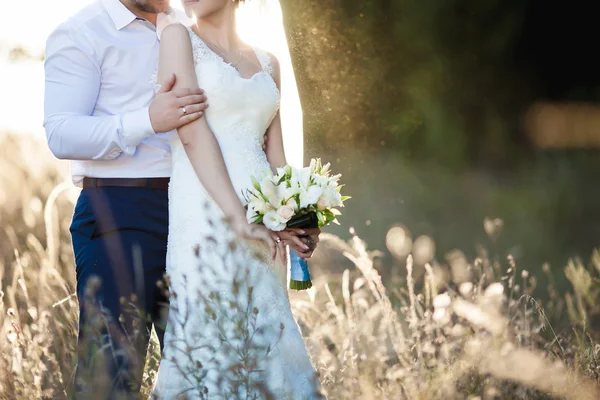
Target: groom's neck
<point>140,11</point>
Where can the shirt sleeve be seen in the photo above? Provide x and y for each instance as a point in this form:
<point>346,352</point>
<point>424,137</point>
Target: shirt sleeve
<point>73,79</point>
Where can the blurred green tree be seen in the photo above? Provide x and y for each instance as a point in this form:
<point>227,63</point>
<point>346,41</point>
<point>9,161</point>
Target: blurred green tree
<point>419,104</point>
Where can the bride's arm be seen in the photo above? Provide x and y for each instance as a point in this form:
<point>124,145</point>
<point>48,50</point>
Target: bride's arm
<point>275,152</point>
<point>201,146</point>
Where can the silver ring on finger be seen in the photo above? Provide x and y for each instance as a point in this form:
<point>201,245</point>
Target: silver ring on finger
<point>310,242</point>
<point>184,110</point>
<point>277,240</point>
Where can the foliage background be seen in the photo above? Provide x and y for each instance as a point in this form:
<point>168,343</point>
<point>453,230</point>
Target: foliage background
<point>420,104</point>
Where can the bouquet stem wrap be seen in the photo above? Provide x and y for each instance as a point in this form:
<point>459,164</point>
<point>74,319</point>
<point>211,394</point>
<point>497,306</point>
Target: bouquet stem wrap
<point>299,272</point>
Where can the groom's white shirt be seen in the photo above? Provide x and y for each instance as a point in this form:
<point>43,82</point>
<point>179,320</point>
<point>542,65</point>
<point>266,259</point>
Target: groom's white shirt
<point>99,71</point>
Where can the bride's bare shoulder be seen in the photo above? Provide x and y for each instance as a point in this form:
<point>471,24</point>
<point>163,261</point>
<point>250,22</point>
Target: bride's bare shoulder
<point>174,32</point>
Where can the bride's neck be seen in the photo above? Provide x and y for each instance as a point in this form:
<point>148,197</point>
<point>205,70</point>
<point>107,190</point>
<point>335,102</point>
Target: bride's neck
<point>220,29</point>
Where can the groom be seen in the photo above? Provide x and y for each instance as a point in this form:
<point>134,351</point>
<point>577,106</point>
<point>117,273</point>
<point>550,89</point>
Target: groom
<point>101,112</point>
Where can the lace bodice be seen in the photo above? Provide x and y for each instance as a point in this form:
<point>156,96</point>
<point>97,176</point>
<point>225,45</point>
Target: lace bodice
<point>239,114</point>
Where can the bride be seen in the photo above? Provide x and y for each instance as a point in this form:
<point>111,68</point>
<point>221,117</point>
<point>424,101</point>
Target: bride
<point>231,332</point>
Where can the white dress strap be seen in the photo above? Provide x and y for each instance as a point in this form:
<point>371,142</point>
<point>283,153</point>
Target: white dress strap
<point>265,60</point>
<point>200,49</point>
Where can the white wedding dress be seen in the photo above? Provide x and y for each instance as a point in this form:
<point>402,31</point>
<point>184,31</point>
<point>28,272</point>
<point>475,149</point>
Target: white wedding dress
<point>231,332</point>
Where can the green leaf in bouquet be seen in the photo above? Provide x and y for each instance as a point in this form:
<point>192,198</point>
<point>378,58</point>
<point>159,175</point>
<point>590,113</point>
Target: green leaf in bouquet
<point>335,211</point>
<point>328,214</point>
<point>321,218</point>
<point>344,198</point>
<point>281,180</point>
<point>264,198</point>
<point>335,221</point>
<point>246,197</point>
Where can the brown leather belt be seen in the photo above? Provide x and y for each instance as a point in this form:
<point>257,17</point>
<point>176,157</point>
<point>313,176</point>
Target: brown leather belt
<point>148,183</point>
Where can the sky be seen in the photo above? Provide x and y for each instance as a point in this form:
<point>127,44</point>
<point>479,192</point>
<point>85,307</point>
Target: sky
<point>27,24</point>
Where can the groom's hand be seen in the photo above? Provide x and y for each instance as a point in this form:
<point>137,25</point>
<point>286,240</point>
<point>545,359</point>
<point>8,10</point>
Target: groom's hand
<point>312,241</point>
<point>173,108</point>
<point>304,246</point>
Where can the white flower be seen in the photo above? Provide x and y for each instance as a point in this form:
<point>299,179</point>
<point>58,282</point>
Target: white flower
<point>273,221</point>
<point>291,192</point>
<point>293,181</point>
<point>329,198</point>
<point>285,213</point>
<point>280,189</point>
<point>321,180</point>
<point>323,203</point>
<point>311,196</point>
<point>302,176</point>
<point>333,180</point>
<point>251,214</point>
<point>268,188</point>
<point>281,172</point>
<point>259,205</point>
<point>292,203</point>
<point>334,197</point>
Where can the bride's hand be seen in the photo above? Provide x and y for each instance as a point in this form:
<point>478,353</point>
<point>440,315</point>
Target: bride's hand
<point>254,232</point>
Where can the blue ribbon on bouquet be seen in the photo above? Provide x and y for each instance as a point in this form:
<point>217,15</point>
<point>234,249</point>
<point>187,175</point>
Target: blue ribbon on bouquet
<point>299,273</point>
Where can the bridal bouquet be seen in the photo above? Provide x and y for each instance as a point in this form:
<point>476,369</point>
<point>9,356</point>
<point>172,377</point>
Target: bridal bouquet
<point>295,198</point>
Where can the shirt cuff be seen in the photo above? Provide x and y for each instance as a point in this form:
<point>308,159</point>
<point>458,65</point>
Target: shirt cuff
<point>136,127</point>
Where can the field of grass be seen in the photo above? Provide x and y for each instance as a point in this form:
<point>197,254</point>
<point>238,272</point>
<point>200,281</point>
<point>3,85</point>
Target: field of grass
<point>464,329</point>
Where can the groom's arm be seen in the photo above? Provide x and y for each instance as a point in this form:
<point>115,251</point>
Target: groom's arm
<point>73,78</point>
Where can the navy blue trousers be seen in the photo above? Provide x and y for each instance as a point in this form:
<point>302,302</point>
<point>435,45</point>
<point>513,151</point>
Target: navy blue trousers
<point>120,245</point>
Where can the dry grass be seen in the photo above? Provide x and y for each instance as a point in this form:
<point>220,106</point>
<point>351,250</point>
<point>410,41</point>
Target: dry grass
<point>466,329</point>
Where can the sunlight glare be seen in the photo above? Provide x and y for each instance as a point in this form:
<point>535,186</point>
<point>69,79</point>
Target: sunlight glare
<point>260,24</point>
